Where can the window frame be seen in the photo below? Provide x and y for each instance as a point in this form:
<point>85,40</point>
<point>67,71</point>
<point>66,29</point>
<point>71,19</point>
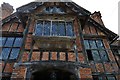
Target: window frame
<point>96,49</point>
<point>51,26</point>
<point>11,47</point>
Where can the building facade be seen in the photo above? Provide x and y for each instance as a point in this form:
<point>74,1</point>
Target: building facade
<point>57,41</point>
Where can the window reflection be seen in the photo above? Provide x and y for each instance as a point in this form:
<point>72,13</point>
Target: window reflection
<point>11,48</point>
<point>95,50</point>
<point>54,9</point>
<point>54,28</point>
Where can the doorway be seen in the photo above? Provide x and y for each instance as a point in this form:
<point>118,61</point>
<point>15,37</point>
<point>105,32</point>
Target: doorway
<point>53,74</point>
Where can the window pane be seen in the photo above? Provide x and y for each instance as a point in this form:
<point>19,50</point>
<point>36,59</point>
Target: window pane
<point>5,53</point>
<point>69,31</point>
<point>9,42</point>
<point>54,28</point>
<point>18,42</point>
<point>86,44</point>
<point>14,53</point>
<point>92,44</point>
<point>47,26</point>
<point>89,53</point>
<point>47,9</point>
<point>96,55</point>
<point>2,41</point>
<point>61,29</point>
<point>39,28</point>
<point>54,9</point>
<point>103,55</point>
<point>100,44</point>
<point>110,78</point>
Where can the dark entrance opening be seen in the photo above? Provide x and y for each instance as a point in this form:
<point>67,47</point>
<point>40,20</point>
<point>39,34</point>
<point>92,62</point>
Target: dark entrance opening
<point>53,74</point>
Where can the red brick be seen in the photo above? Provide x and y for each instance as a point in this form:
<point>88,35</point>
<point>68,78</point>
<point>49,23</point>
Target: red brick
<point>45,56</point>
<point>9,67</point>
<point>35,56</point>
<point>99,67</point>
<point>81,57</point>
<point>93,68</point>
<point>115,67</point>
<point>85,71</point>
<point>54,56</point>
<point>62,56</point>
<point>27,45</point>
<point>108,67</point>
<point>25,56</point>
<point>71,57</point>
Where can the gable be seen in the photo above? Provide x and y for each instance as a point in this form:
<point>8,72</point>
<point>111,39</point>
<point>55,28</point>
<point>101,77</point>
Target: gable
<point>102,30</point>
<point>31,7</point>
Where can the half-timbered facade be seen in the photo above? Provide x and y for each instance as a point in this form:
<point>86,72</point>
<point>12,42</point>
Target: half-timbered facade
<point>57,41</point>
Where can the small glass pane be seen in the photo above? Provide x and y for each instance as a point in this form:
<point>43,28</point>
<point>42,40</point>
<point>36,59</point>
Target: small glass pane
<point>93,44</point>
<point>69,31</point>
<point>103,55</point>
<point>39,28</point>
<point>96,55</point>
<point>47,9</point>
<point>5,53</point>
<point>100,44</point>
<point>54,9</point>
<point>18,42</point>
<point>50,9</point>
<point>9,42</point>
<point>86,43</point>
<point>111,78</point>
<point>14,53</point>
<point>54,28</point>
<point>2,41</point>
<point>61,29</point>
<point>47,26</point>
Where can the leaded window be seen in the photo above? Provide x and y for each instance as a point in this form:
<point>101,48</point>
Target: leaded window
<point>54,28</point>
<point>54,9</point>
<point>95,50</point>
<point>10,47</point>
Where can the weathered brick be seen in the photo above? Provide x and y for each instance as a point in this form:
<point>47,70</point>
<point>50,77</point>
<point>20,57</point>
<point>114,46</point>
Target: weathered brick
<point>45,56</point>
<point>27,45</point>
<point>71,57</point>
<point>19,72</point>
<point>108,67</point>
<point>115,67</point>
<point>54,56</point>
<point>35,56</point>
<point>9,67</point>
<point>99,67</point>
<point>93,68</point>
<point>85,71</point>
<point>25,56</point>
<point>62,56</point>
<point>86,77</point>
<point>81,57</point>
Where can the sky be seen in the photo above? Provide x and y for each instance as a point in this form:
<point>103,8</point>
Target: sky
<point>108,9</point>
